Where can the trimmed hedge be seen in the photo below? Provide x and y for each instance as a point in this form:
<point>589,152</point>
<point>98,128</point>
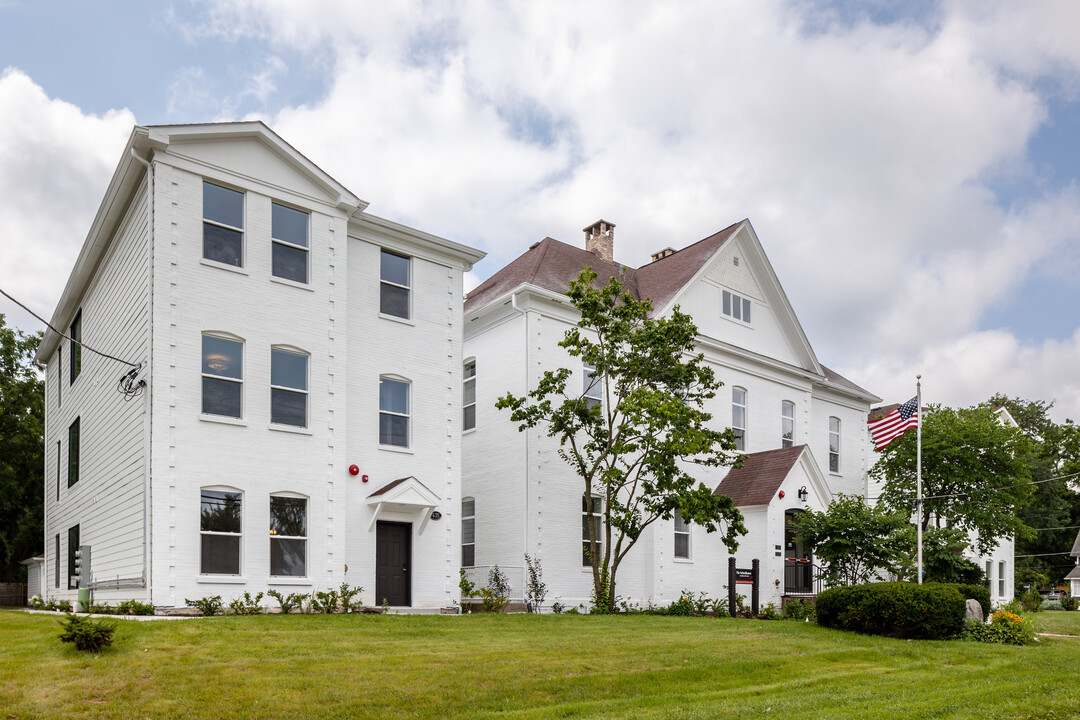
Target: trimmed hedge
<point>896,609</point>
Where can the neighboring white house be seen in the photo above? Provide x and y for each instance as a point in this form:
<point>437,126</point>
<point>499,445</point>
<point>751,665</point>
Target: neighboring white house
<point>34,575</point>
<point>803,426</point>
<point>300,363</point>
<point>1074,575</point>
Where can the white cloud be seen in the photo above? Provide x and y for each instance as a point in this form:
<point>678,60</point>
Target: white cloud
<point>56,163</point>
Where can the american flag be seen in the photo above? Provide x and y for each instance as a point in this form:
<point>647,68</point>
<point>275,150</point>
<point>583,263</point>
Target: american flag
<point>895,424</point>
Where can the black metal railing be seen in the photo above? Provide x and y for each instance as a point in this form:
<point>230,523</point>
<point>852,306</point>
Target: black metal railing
<point>801,578</point>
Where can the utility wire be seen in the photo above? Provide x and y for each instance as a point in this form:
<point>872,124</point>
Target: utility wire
<point>68,337</point>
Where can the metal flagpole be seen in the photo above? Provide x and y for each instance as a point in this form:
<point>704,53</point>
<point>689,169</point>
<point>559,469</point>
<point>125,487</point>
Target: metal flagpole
<point>918,470</point>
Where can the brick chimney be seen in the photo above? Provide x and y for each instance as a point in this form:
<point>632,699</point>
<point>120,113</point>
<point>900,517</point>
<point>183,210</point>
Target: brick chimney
<point>600,239</point>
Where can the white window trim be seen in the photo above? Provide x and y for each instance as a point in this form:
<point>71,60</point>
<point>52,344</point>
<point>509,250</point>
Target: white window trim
<point>591,383</point>
<point>743,302</point>
<point>228,419</point>
<point>407,414</point>
<point>837,432</point>
<point>383,281</point>
<point>689,539</point>
<point>784,404</point>
<point>598,518</point>
<point>242,231</point>
<point>465,381</point>
<point>305,578</point>
<point>1001,578</point>
<point>464,518</point>
<point>307,381</point>
<point>238,576</point>
<point>286,243</point>
<point>745,413</point>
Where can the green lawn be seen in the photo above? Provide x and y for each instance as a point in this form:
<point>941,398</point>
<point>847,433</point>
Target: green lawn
<point>522,666</point>
<point>1058,621</point>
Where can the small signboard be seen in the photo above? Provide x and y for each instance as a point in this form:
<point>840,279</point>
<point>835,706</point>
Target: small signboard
<point>744,576</point>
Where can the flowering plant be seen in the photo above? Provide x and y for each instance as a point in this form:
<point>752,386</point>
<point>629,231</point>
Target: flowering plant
<point>1004,627</point>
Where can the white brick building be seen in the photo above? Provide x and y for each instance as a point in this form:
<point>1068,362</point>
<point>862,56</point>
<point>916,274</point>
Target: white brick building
<point>284,335</point>
<point>803,425</point>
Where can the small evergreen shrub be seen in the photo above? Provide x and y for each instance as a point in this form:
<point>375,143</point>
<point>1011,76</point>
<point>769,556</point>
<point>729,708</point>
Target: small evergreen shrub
<point>1031,601</point>
<point>1052,605</point>
<point>557,607</point>
<point>347,594</point>
<point>325,602</point>
<point>801,610</point>
<point>535,587</point>
<point>1069,603</point>
<point>895,609</point>
<point>496,596</point>
<point>210,605</point>
<point>87,634</point>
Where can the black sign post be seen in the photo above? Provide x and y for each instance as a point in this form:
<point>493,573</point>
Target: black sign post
<point>743,576</point>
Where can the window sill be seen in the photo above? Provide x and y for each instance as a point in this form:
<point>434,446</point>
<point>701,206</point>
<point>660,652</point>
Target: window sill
<point>470,431</point>
<point>223,420</point>
<point>292,283</point>
<point>222,579</point>
<point>395,318</point>
<point>289,581</point>
<point>289,429</point>
<point>396,449</point>
<point>835,474</point>
<point>223,266</point>
<point>683,561</point>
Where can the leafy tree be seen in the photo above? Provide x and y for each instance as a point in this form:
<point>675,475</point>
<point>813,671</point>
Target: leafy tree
<point>974,470</point>
<point>854,541</point>
<point>632,449</point>
<point>22,463</point>
<point>1055,501</point>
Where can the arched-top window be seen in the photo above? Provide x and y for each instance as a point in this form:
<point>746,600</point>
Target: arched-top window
<point>738,416</point>
<point>221,530</point>
<point>787,423</point>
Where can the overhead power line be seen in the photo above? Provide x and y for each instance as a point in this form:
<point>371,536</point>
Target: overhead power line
<point>64,335</point>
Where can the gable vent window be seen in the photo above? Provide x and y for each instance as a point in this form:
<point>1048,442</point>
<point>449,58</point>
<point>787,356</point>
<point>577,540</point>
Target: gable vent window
<point>736,307</point>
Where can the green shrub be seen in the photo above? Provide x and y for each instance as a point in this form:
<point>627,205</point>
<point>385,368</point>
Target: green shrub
<point>683,607</point>
<point>769,612</point>
<point>493,602</point>
<point>289,602</point>
<point>1069,603</point>
<point>800,610</point>
<point>1004,628</point>
<point>36,602</point>
<point>87,634</point>
<point>557,608</point>
<point>895,609</point>
<point>1031,601</point>
<point>1052,605</point>
<point>210,605</point>
<point>325,602</point>
<point>247,605</point>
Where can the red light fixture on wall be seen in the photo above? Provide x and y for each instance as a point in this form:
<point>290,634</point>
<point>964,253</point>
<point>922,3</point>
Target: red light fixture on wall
<point>781,494</point>
<point>354,469</point>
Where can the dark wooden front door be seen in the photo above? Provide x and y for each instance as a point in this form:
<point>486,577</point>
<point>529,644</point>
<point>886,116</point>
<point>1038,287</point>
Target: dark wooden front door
<point>393,553</point>
<point>798,563</point>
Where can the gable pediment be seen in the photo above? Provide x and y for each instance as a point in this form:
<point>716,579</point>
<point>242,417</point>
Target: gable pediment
<point>730,270</point>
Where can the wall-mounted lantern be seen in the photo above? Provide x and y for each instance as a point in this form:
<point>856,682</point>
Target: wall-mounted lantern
<point>803,493</point>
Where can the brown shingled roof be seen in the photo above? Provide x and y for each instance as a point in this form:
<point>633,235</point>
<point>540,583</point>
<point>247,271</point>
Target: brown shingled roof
<point>756,482</point>
<point>833,376</point>
<point>390,486</point>
<point>551,264</point>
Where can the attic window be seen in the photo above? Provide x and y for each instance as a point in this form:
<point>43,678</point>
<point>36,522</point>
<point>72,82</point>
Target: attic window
<point>737,307</point>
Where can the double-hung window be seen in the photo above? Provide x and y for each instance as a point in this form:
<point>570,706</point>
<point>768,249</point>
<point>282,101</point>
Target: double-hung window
<point>75,335</point>
<point>1001,579</point>
<point>223,225</point>
<point>682,537</point>
<point>221,530</point>
<point>289,233</point>
<point>56,563</point>
<point>222,376</point>
<point>288,536</point>
<point>73,453</point>
<point>468,532</point>
<point>394,286</point>
<point>990,575</point>
<point>592,386</point>
<point>468,396</point>
<point>598,510</point>
<point>393,412</point>
<point>736,307</point>
<point>288,387</point>
<point>738,416</point>
<point>834,444</point>
<point>787,423</point>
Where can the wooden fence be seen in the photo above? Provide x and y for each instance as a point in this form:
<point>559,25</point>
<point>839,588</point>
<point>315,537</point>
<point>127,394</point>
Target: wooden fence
<point>12,595</point>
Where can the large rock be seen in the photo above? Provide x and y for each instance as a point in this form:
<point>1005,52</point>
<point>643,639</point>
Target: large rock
<point>974,611</point>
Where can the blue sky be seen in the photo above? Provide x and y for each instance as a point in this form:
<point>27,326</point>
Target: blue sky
<point>911,168</point>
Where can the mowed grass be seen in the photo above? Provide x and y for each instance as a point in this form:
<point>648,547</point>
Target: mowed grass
<point>1058,621</point>
<point>522,666</point>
